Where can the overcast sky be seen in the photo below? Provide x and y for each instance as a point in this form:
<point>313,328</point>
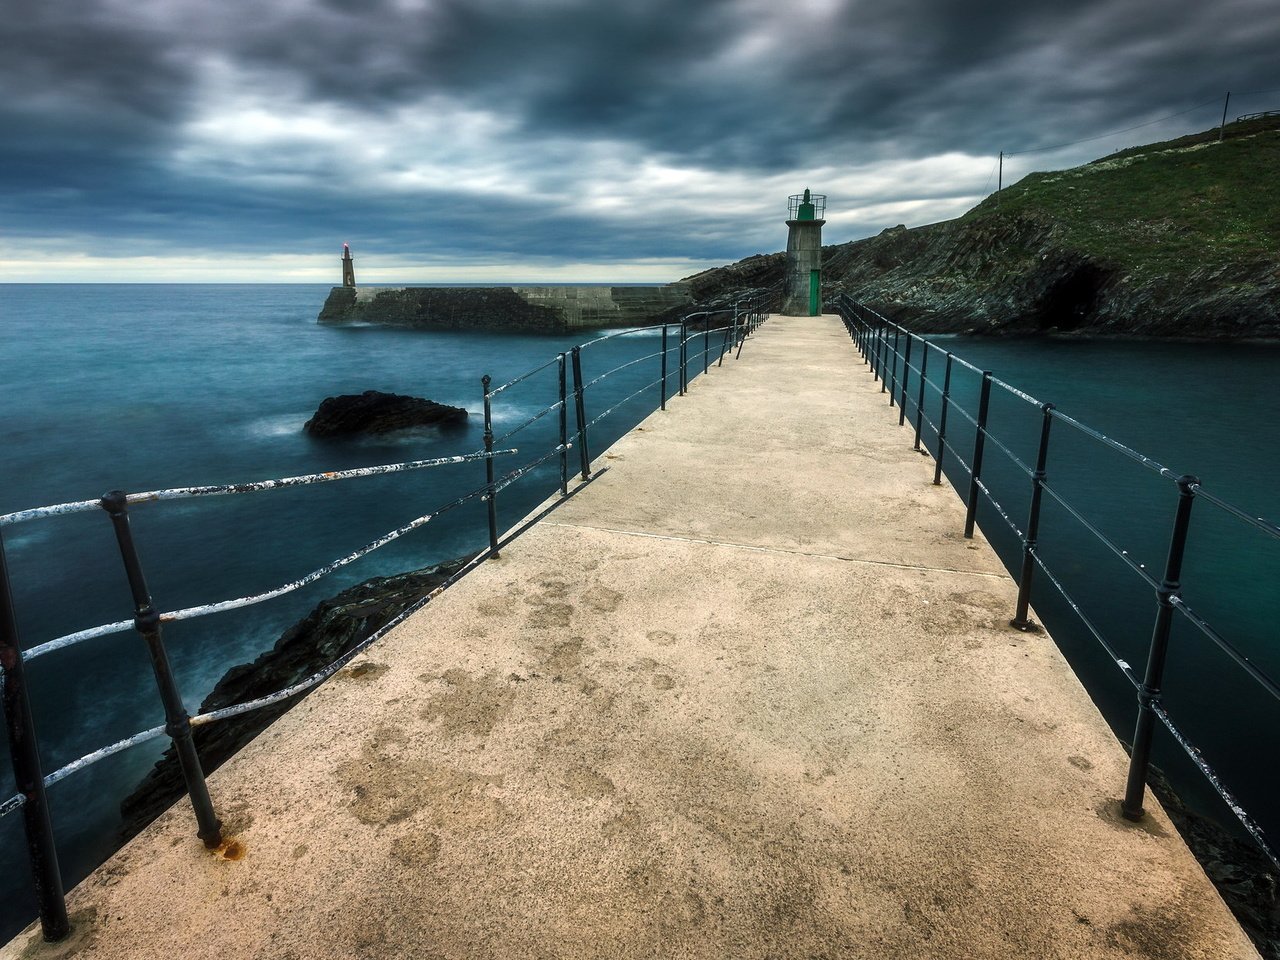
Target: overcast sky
<point>456,140</point>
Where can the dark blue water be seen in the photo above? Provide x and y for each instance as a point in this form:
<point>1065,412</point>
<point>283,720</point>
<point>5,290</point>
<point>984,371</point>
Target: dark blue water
<point>142,387</point>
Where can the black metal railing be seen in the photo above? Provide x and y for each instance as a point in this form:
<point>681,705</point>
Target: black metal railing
<point>746,313</point>
<point>881,343</point>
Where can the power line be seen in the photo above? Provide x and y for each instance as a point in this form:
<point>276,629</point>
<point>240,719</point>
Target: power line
<point>989,176</point>
<point>1103,136</point>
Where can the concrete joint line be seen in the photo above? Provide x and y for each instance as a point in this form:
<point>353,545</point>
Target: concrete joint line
<point>779,550</point>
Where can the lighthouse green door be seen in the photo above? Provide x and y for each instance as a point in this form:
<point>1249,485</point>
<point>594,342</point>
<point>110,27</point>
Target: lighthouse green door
<point>815,300</point>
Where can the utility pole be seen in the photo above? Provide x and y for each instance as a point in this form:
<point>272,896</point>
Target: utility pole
<point>1222,129</point>
<point>1000,179</point>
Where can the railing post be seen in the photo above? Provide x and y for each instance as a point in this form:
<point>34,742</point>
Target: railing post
<point>906,379</point>
<point>24,750</point>
<point>1021,618</point>
<point>491,497</point>
<point>1152,683</point>
<point>979,442</point>
<point>942,421</point>
<point>564,429</point>
<point>723,348</point>
<point>706,344</point>
<point>924,379</point>
<point>893,366</point>
<point>177,723</point>
<point>662,398</point>
<point>684,357</point>
<point>584,451</point>
<point>884,355</point>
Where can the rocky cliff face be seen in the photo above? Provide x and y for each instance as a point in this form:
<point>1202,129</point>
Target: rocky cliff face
<point>1173,240</point>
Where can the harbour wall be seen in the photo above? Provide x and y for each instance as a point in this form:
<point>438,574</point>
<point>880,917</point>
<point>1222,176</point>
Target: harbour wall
<point>526,308</point>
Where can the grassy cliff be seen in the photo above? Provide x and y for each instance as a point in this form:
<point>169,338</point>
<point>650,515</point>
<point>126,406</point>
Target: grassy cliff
<point>1180,238</point>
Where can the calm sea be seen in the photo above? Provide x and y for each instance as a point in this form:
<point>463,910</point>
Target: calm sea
<point>137,387</point>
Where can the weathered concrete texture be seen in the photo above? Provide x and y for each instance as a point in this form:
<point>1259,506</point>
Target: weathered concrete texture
<point>747,694</point>
<point>804,256</point>
<point>504,308</point>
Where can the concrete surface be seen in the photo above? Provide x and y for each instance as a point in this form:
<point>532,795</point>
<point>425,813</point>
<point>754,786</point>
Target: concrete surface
<point>748,694</point>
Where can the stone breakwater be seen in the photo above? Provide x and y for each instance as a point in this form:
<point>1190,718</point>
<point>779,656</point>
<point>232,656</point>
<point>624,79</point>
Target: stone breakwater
<point>529,309</point>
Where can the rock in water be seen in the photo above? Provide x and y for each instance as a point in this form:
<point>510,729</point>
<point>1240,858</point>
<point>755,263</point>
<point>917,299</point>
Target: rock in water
<point>334,627</point>
<point>375,412</point>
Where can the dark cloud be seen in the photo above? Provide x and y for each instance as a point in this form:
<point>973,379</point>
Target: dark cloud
<point>98,93</point>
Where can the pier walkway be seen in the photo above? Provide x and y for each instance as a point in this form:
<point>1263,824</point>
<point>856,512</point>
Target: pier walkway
<point>747,694</point>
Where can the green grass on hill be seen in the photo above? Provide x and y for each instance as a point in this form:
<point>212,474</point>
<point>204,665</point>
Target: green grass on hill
<point>1165,208</point>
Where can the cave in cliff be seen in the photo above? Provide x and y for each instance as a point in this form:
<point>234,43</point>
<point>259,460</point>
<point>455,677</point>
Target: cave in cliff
<point>1070,302</point>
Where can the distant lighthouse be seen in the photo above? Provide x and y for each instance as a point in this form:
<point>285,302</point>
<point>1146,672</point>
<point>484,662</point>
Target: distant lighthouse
<point>802,284</point>
<point>348,267</point>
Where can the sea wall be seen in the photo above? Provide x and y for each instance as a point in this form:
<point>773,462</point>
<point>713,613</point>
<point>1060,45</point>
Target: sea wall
<point>532,309</point>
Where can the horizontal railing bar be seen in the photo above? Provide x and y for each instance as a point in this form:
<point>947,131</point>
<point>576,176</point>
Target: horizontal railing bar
<point>622,366</point>
<point>956,454</point>
<point>235,710</point>
<point>528,423</point>
<point>967,365</point>
<point>991,437</point>
<point>287,692</point>
<point>510,478</point>
<point>13,803</point>
<point>91,758</point>
<point>525,376</point>
<point>222,606</point>
<point>1119,661</point>
<point>183,493</point>
<point>1021,394</point>
<point>1114,444</point>
<point>623,333</point>
<point>1106,541</point>
<point>1192,751</point>
<point>647,386</point>
<point>1226,646</point>
<point>998,507</point>
<point>956,408</point>
<point>1263,524</point>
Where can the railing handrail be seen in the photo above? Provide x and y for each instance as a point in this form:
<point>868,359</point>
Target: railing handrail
<point>255,486</point>
<point>869,328</point>
<point>147,621</point>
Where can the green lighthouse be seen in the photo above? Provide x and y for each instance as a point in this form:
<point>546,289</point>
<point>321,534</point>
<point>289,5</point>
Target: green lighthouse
<point>802,285</point>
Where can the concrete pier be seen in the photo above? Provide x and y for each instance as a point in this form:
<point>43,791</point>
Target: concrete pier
<point>748,693</point>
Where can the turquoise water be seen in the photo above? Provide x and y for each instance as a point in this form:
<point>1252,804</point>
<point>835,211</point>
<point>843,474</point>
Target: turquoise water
<point>140,387</point>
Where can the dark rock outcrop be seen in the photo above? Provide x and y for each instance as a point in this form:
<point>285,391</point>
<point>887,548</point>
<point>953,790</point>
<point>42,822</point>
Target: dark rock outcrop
<point>333,628</point>
<point>375,412</point>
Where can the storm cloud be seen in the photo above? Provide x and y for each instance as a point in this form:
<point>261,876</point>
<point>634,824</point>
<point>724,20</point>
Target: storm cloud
<point>458,139</point>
